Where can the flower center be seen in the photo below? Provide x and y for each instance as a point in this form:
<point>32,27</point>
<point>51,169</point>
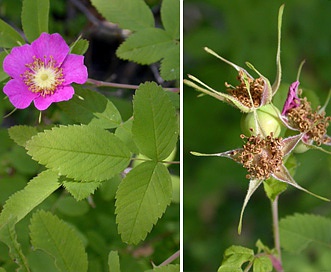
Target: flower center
<point>261,156</point>
<point>240,92</point>
<point>43,76</point>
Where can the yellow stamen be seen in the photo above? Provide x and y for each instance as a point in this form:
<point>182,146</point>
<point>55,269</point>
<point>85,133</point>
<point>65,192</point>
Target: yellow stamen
<point>43,76</point>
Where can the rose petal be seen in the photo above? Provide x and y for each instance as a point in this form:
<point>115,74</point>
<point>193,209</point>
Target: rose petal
<point>50,45</point>
<point>18,94</point>
<point>292,100</point>
<point>14,63</point>
<point>62,94</point>
<point>74,69</point>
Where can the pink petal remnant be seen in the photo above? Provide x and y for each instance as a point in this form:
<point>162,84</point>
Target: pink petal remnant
<point>42,72</point>
<point>292,100</point>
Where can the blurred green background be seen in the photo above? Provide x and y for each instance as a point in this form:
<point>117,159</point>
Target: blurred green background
<point>214,188</point>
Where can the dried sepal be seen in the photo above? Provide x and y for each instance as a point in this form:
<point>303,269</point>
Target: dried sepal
<point>263,157</point>
<point>276,84</point>
<point>284,176</point>
<point>253,185</point>
<point>218,95</point>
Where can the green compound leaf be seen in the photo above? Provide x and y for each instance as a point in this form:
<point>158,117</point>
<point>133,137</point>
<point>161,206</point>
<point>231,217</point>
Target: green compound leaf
<point>55,237</point>
<point>79,47</point>
<point>9,37</point>
<point>299,230</point>
<point>262,264</point>
<point>128,14</point>
<point>22,202</point>
<point>141,199</point>
<point>169,69</point>
<point>9,237</point>
<point>170,17</point>
<point>19,205</point>
<point>84,153</point>
<point>81,190</point>
<point>35,18</point>
<point>235,257</point>
<point>154,128</point>
<point>145,46</point>
<point>166,268</point>
<point>124,132</point>
<point>21,134</point>
<point>89,107</point>
<point>113,262</point>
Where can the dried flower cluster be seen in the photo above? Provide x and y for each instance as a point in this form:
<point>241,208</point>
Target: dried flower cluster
<point>313,123</point>
<point>244,96</point>
<point>261,156</point>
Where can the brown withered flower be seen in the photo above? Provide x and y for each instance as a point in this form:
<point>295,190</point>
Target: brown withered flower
<point>298,115</point>
<point>263,157</point>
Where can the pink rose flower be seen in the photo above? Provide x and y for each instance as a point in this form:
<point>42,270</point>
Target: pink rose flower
<point>43,72</point>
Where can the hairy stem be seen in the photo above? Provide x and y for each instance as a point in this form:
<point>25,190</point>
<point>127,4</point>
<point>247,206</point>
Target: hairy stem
<point>276,263</point>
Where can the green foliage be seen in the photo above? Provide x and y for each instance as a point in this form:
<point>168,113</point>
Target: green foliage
<point>262,264</point>
<point>166,268</point>
<point>169,68</point>
<point>21,134</point>
<point>90,107</point>
<point>124,132</point>
<point>170,17</point>
<point>146,46</point>
<point>52,235</point>
<point>3,75</point>
<point>9,36</point>
<point>299,230</point>
<point>18,206</point>
<point>236,256</point>
<point>80,190</point>
<point>79,47</point>
<point>9,237</point>
<point>155,124</point>
<point>113,262</point>
<point>86,153</point>
<point>84,150</point>
<point>133,15</point>
<point>22,202</point>
<point>273,188</point>
<point>141,199</point>
<point>35,18</point>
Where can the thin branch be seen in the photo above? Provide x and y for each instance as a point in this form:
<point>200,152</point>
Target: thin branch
<point>170,259</point>
<point>99,83</point>
<point>79,5</point>
<point>274,206</point>
<point>100,24</point>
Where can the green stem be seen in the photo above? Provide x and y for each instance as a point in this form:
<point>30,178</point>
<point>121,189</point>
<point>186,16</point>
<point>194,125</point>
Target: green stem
<point>275,220</point>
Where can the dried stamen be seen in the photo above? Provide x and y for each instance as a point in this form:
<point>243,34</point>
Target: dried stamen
<point>312,123</point>
<point>261,156</point>
<point>256,87</point>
